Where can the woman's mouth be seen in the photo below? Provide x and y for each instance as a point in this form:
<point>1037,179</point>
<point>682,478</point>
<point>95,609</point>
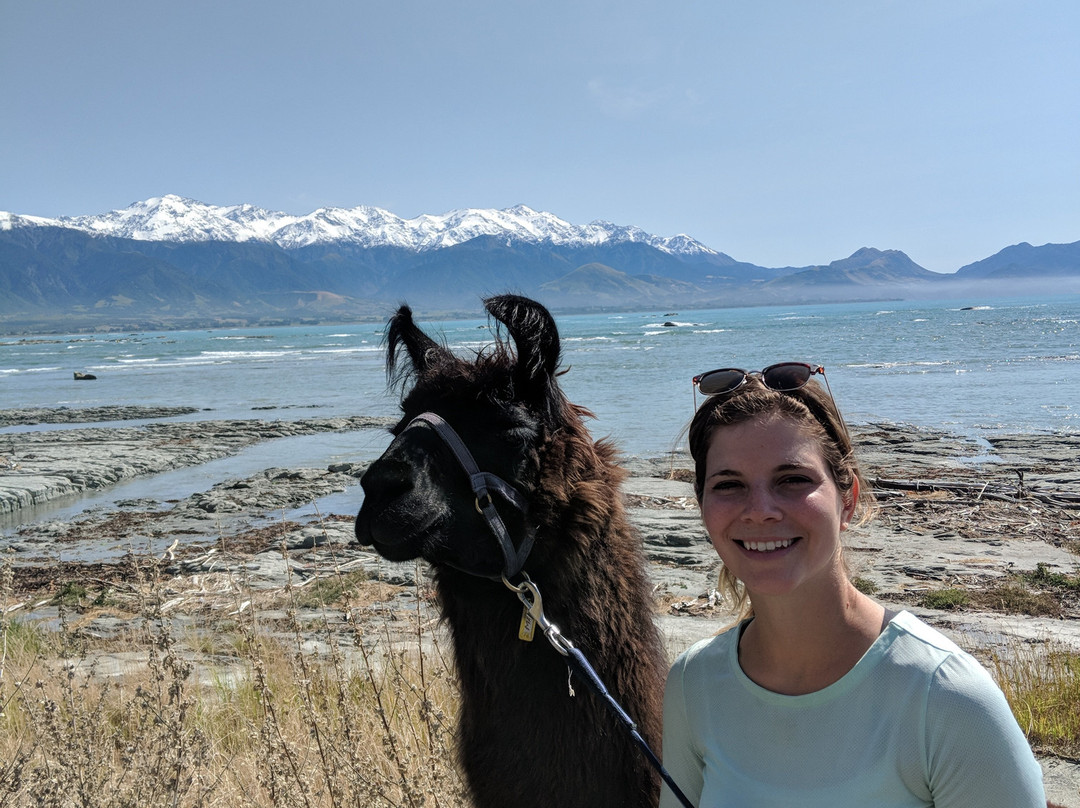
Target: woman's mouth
<point>767,546</point>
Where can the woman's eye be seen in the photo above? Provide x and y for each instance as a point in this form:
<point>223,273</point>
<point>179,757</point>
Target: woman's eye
<point>795,479</point>
<point>725,485</point>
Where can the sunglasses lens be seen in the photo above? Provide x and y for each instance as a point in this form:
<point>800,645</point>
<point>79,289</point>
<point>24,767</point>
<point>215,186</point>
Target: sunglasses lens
<point>720,381</point>
<point>786,376</point>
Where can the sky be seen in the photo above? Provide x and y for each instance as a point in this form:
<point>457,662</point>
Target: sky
<point>780,132</point>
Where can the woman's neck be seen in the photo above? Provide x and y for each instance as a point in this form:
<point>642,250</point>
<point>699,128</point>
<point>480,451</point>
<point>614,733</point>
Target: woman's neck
<point>797,645</point>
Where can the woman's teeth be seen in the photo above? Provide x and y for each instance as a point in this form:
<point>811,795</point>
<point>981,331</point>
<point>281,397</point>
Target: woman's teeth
<point>766,546</point>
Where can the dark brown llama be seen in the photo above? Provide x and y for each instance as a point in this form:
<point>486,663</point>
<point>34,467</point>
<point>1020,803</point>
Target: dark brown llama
<point>524,740</point>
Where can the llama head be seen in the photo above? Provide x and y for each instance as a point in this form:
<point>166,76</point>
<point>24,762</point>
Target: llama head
<point>505,405</point>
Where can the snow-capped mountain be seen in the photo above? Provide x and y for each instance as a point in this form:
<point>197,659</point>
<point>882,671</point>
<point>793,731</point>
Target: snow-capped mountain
<point>176,219</point>
<point>171,262</point>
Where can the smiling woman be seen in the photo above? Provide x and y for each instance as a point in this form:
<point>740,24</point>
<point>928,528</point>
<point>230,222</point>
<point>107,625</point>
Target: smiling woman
<point>813,658</point>
<point>820,458</point>
<point>771,507</point>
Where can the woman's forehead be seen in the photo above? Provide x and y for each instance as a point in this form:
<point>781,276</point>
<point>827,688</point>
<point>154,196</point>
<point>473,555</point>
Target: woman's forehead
<point>778,439</point>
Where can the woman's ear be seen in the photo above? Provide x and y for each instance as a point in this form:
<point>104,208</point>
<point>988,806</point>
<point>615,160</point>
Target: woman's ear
<point>851,498</point>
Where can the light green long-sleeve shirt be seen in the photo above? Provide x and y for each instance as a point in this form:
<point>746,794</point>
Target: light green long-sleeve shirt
<point>917,722</point>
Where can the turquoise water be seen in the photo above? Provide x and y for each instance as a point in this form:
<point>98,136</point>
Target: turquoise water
<point>973,367</point>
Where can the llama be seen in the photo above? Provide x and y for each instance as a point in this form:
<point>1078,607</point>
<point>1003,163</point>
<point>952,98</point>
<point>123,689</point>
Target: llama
<point>524,738</point>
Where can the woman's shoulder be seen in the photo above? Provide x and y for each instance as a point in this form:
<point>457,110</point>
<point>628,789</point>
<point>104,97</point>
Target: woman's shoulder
<point>970,730</point>
<point>710,650</point>
<point>911,626</point>
<point>917,643</point>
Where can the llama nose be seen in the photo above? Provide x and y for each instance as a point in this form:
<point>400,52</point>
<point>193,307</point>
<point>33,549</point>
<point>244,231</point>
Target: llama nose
<point>362,529</point>
<point>383,483</point>
<point>386,479</point>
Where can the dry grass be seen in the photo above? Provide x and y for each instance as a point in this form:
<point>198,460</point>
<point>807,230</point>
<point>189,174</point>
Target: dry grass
<point>243,712</point>
<point>251,719</point>
<point>1043,689</point>
<point>1040,592</point>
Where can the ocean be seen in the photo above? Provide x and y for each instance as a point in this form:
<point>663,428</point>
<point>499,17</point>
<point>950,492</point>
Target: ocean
<point>972,367</point>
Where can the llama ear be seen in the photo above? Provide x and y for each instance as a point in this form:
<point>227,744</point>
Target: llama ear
<point>535,336</point>
<point>402,331</point>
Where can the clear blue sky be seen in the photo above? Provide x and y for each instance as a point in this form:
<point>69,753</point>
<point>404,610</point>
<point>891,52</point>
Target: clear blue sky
<point>782,132</point>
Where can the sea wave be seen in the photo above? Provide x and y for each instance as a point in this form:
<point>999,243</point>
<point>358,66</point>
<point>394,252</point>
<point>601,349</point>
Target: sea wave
<point>15,371</point>
<point>348,349</point>
<point>904,364</point>
<point>262,355</point>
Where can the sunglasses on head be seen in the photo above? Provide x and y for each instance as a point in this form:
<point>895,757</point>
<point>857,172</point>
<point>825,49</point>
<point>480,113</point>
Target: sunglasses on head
<point>782,377</point>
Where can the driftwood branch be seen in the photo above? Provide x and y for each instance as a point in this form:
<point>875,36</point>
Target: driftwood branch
<point>979,491</point>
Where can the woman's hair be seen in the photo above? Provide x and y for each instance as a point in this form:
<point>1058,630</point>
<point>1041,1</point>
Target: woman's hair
<point>813,409</point>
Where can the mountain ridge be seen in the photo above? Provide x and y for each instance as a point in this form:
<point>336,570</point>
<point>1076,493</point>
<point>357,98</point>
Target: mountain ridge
<point>175,218</point>
<point>171,262</point>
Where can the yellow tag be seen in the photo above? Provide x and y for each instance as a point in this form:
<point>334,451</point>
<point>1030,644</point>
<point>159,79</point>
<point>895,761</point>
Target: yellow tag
<point>527,627</point>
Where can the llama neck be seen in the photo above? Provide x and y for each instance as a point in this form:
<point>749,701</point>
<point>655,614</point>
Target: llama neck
<point>521,709</point>
<point>523,712</point>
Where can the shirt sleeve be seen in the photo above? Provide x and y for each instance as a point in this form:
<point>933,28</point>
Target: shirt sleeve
<point>977,756</point>
<point>681,753</point>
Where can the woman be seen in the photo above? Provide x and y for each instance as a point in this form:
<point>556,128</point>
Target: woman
<point>819,696</point>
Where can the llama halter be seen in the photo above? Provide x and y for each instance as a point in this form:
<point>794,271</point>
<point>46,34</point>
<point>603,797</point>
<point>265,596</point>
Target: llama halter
<point>483,483</point>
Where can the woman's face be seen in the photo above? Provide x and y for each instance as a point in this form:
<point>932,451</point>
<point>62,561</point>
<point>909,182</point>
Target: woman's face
<point>771,506</point>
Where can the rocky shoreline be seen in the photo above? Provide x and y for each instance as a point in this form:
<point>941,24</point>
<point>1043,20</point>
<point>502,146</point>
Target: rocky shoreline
<point>952,511</point>
<point>40,466</point>
<point>955,514</point>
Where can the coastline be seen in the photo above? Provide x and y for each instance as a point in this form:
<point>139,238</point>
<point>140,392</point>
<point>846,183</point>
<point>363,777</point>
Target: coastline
<point>37,467</point>
<point>954,513</point>
<point>951,510</point>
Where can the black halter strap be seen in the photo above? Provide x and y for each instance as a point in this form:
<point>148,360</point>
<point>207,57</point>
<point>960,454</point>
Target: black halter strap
<point>483,484</point>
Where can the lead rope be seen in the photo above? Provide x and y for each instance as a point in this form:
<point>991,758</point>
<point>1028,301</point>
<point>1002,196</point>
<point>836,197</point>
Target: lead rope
<point>533,615</point>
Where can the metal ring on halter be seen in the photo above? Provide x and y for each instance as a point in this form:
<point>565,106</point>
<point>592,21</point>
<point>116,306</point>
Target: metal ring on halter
<point>558,641</point>
<point>490,503</point>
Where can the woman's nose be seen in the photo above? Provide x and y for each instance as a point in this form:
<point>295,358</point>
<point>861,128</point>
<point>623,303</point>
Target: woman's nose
<point>761,505</point>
